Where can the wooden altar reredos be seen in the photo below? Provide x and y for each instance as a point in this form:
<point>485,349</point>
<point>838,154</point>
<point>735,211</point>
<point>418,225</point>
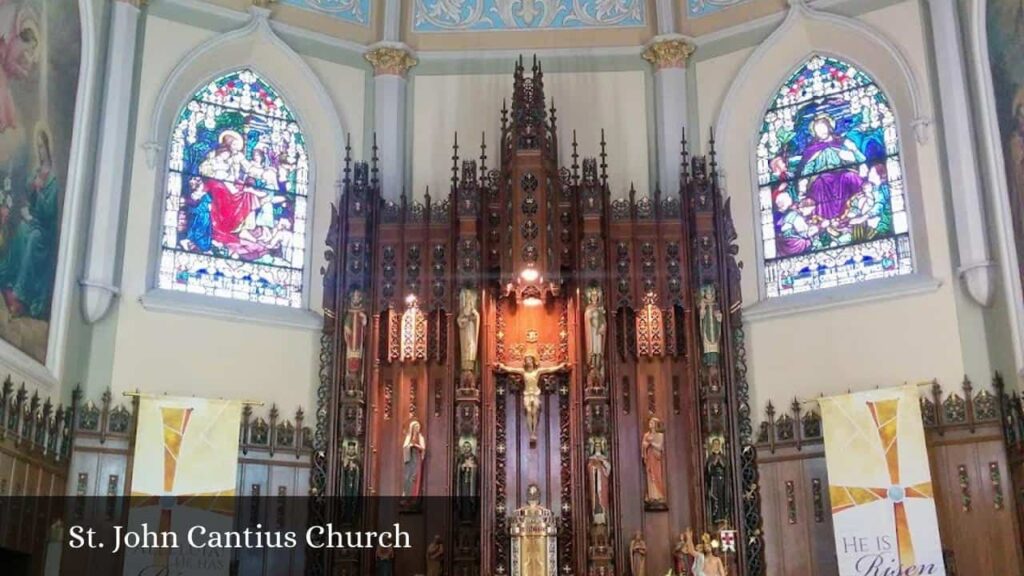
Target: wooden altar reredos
<point>624,313</point>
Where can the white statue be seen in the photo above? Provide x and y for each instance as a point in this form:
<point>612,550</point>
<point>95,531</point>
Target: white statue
<point>596,322</point>
<point>468,321</point>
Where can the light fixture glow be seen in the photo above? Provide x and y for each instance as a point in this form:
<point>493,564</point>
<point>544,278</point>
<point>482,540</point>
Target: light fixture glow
<point>532,301</point>
<point>410,299</point>
<point>530,274</point>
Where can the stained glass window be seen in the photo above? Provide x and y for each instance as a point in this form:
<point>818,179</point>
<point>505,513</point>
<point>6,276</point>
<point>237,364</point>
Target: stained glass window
<point>234,214</point>
<point>830,182</point>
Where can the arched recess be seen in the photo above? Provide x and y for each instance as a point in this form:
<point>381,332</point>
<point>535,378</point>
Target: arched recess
<point>51,373</point>
<point>989,136</point>
<point>803,33</point>
<point>256,47</point>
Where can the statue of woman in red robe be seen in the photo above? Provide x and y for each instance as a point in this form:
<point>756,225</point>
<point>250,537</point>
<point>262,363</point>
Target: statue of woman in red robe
<point>652,450</point>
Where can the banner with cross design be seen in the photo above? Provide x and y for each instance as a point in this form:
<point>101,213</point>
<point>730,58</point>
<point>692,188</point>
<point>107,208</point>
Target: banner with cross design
<point>184,472</point>
<point>883,509</point>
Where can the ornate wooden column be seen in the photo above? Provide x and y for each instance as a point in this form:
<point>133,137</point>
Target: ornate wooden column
<point>340,456</point>
<point>729,471</point>
<point>470,190</point>
<point>592,201</point>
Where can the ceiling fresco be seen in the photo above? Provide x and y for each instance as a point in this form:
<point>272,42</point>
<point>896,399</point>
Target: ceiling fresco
<point>353,11</point>
<point>483,15</point>
<point>698,8</point>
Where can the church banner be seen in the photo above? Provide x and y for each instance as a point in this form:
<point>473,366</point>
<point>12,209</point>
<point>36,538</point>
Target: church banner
<point>183,476</point>
<point>883,508</point>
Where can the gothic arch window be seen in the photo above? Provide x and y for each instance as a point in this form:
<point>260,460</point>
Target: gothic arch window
<point>235,203</point>
<point>831,191</point>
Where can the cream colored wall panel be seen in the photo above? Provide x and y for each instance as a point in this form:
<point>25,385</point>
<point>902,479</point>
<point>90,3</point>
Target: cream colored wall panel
<point>713,79</point>
<point>443,105</point>
<point>347,88</point>
<point>190,354</point>
<point>586,102</point>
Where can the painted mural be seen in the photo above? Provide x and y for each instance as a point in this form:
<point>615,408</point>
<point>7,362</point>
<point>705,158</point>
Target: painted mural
<point>40,53</point>
<point>698,8</point>
<point>354,11</point>
<point>1006,49</point>
<point>481,15</point>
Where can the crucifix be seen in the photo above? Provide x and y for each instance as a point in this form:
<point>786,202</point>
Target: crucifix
<point>531,373</point>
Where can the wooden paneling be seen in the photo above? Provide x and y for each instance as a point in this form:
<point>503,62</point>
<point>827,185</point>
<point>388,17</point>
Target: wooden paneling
<point>981,536</point>
<point>33,470</point>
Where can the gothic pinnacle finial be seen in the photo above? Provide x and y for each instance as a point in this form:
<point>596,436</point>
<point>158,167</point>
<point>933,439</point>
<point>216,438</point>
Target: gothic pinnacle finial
<point>604,158</point>
<point>374,159</point>
<point>346,179</point>
<point>575,159</point>
<point>455,162</point>
<point>684,161</point>
<point>483,156</point>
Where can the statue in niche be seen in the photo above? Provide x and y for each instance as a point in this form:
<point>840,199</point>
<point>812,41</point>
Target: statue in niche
<point>638,555</point>
<point>531,373</point>
<point>599,471</point>
<point>596,322</point>
<point>466,486</point>
<point>414,448</point>
<point>716,479</point>
<point>652,451</point>
<point>435,557</point>
<point>468,468</point>
<point>385,561</point>
<point>351,470</point>
<point>681,555</point>
<point>468,322</point>
<point>354,328</point>
<point>710,324</point>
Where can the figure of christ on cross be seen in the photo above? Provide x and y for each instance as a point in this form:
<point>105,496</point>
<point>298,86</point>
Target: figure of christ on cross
<point>531,373</point>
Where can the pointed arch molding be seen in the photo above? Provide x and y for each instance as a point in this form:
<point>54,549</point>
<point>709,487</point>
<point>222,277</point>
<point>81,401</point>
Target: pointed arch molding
<point>800,11</point>
<point>254,46</point>
<point>994,175</point>
<point>737,128</point>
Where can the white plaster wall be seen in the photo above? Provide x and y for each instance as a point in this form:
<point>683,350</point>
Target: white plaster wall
<point>189,354</point>
<point>933,335</point>
<point>586,102</point>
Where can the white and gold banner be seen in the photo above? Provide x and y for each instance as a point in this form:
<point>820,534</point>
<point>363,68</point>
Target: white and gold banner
<point>883,508</point>
<point>184,472</point>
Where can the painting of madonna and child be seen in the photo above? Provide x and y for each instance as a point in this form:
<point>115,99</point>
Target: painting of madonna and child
<point>40,53</point>
<point>831,191</point>
<point>235,206</point>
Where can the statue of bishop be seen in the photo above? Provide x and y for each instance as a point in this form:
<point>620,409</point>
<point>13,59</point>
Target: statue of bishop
<point>468,322</point>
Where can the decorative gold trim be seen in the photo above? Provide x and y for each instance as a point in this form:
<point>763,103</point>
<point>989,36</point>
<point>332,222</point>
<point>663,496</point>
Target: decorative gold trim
<point>390,60</point>
<point>668,53</point>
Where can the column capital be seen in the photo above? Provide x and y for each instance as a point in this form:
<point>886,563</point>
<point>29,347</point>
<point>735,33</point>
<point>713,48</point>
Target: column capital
<point>668,51</point>
<point>390,59</point>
